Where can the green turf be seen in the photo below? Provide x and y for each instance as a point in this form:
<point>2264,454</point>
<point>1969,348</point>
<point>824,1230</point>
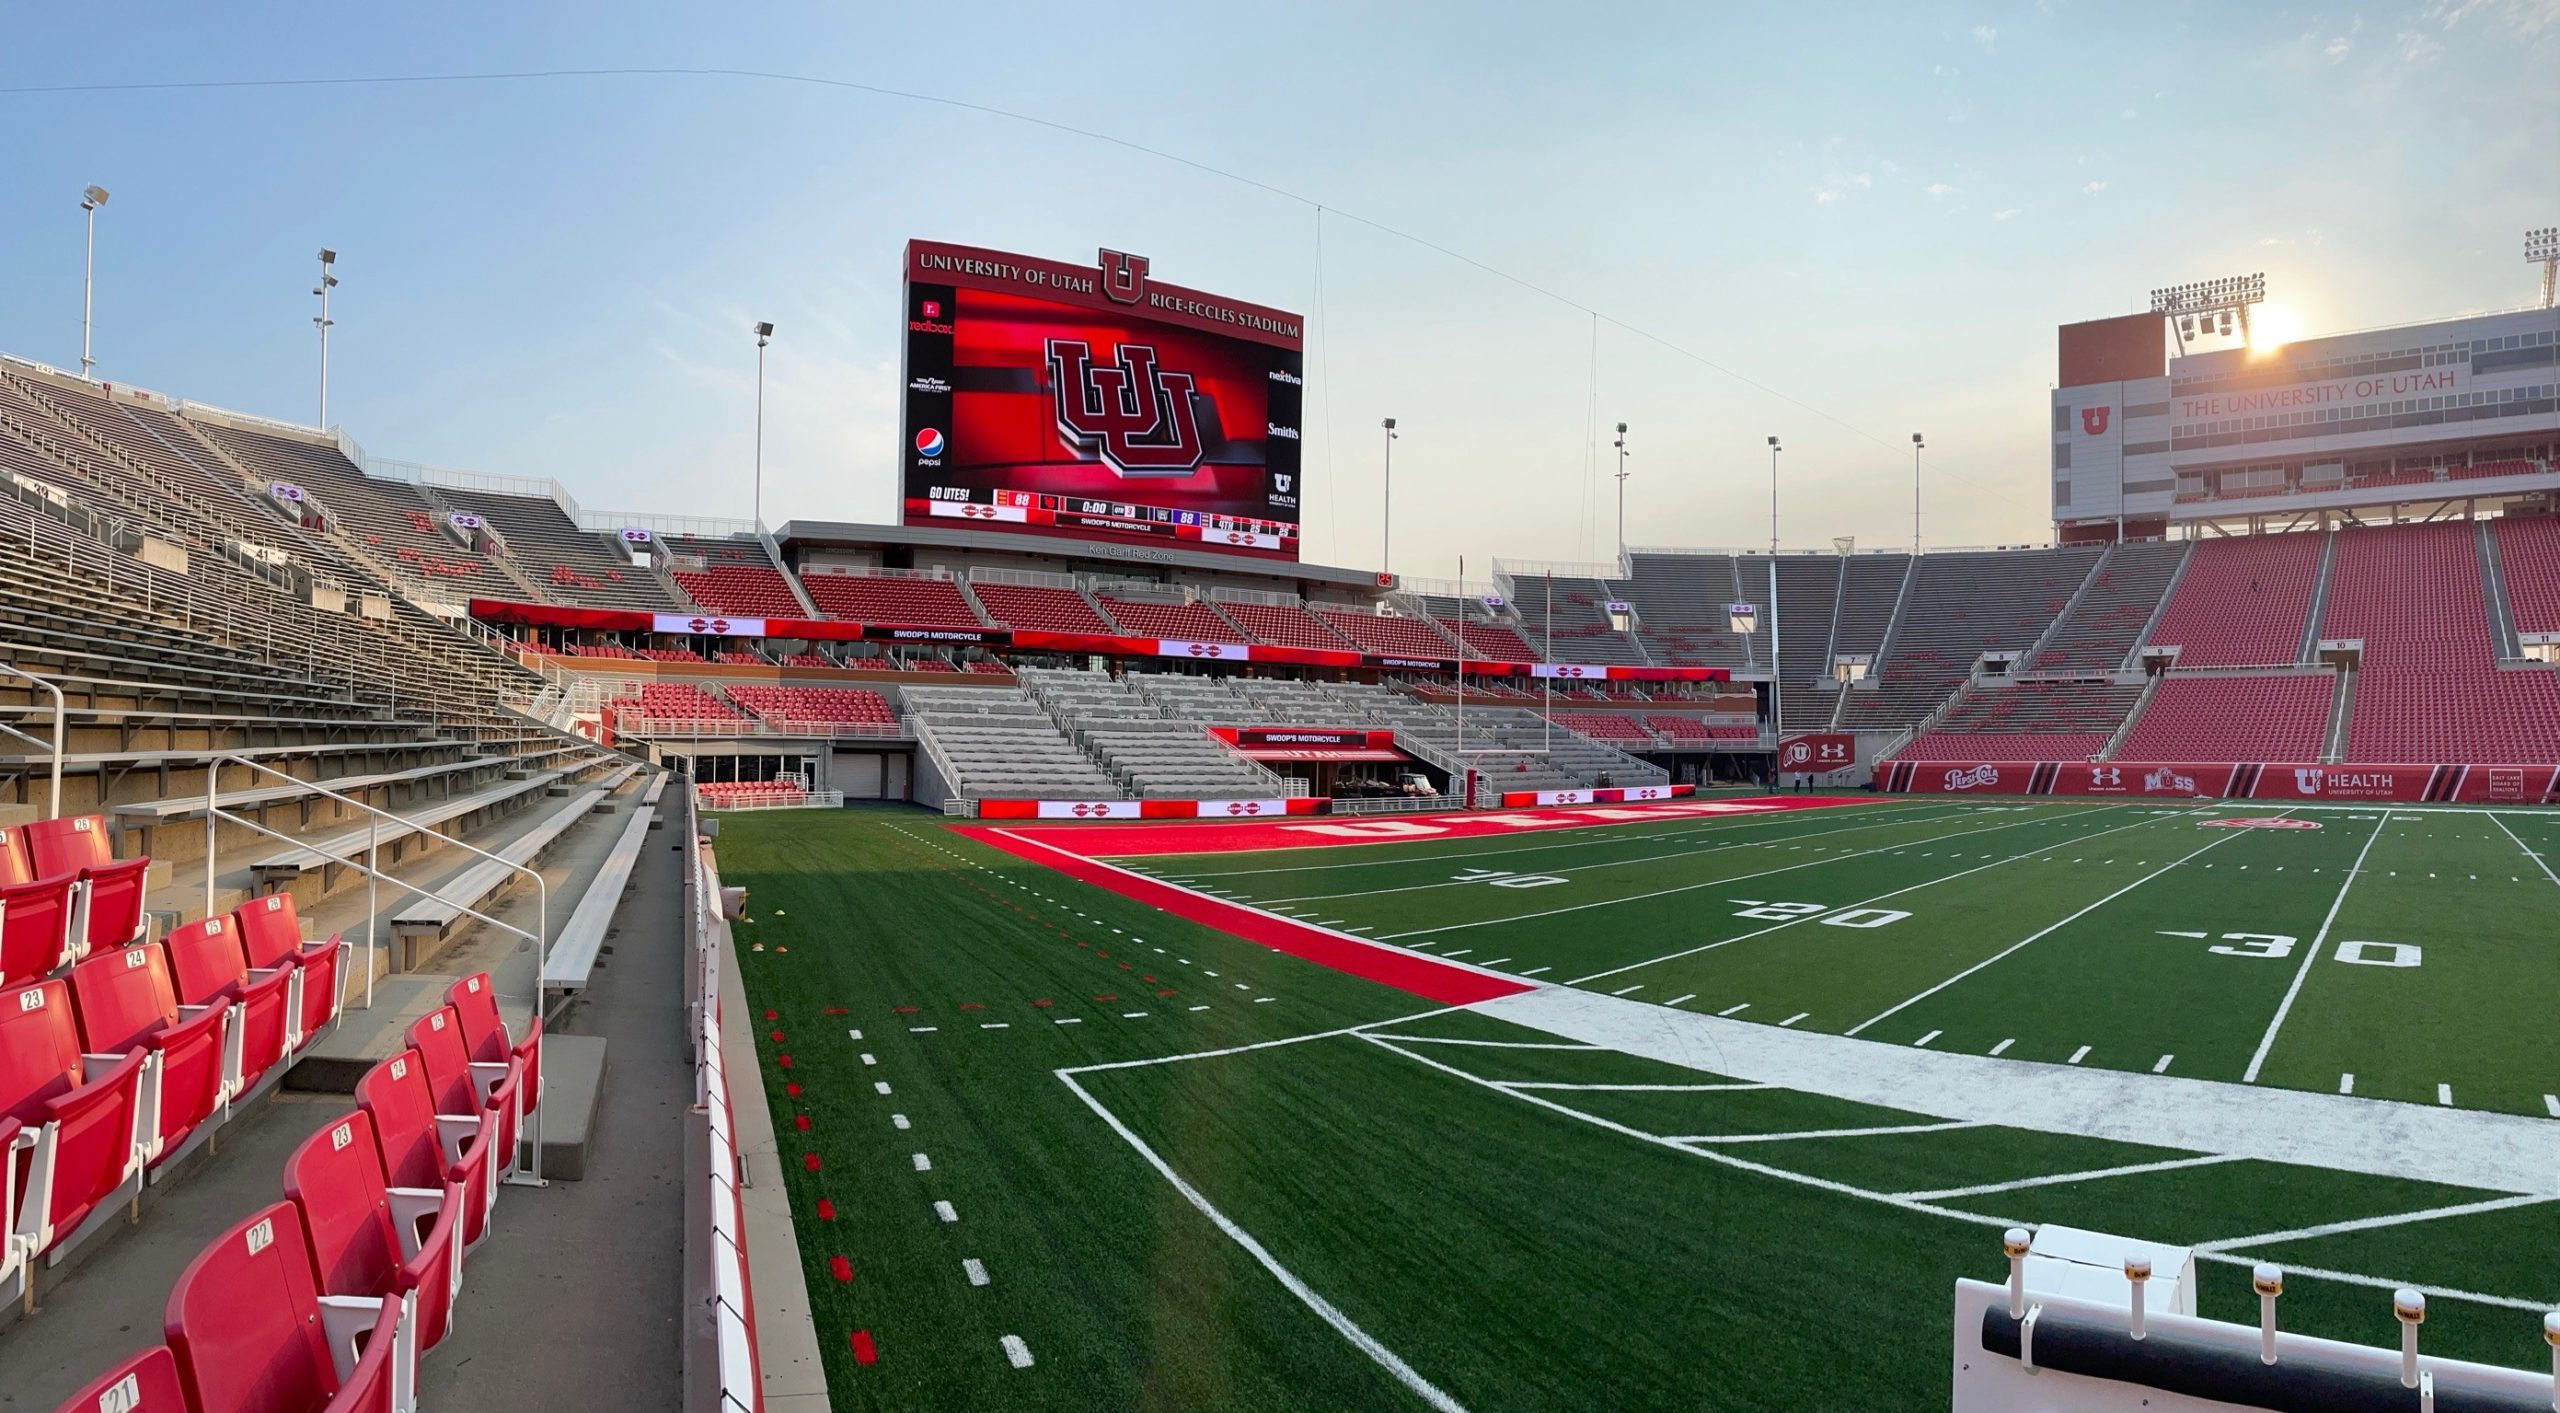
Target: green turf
<point>1516,1256</point>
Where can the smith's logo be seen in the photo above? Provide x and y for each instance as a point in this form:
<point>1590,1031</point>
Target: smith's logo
<point>2093,420</point>
<point>1136,419</point>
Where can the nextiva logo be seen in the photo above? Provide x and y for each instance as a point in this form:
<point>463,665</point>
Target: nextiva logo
<point>929,446</point>
<point>1283,375</point>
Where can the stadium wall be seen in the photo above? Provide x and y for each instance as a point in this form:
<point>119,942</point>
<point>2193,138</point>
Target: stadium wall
<point>2284,781</point>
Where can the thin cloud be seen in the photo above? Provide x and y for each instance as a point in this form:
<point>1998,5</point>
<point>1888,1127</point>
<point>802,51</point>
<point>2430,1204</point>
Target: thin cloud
<point>1987,36</point>
<point>2093,188</point>
<point>1938,190</point>
<point>2006,212</point>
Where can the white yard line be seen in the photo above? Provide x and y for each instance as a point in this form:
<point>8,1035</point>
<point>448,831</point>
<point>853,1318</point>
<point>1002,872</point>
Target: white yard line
<point>1738,878</point>
<point>1497,1044</point>
<point>1016,1352</point>
<point>1582,836</point>
<point>1871,1131</point>
<point>1324,1309</point>
<point>2043,932</point>
<point>2086,1175</point>
<point>2538,860</point>
<point>2311,954</point>
<point>1981,1219</point>
<point>1866,822</point>
<point>1610,1088</point>
<point>1864,902</point>
<point>2392,1219</point>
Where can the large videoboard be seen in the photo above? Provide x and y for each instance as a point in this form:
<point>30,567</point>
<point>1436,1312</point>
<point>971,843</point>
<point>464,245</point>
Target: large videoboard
<point>1094,402</point>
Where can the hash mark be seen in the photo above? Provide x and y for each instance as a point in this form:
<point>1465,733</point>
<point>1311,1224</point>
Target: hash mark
<point>1735,1010</point>
<point>2347,1083</point>
<point>1924,1040</point>
<point>2163,1066</point>
<point>945,1212</point>
<point>2078,1055</point>
<point>2004,1045</point>
<point>1791,1020</point>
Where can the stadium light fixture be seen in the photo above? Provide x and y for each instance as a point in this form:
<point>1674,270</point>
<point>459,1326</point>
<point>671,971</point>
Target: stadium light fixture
<point>1622,495</point>
<point>323,322</point>
<point>2542,247</point>
<point>91,198</point>
<point>1773,499</point>
<point>1387,493</point>
<point>2203,306</point>
<point>764,335</point>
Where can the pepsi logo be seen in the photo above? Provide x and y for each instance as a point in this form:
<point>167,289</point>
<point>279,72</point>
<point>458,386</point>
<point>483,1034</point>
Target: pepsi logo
<point>929,442</point>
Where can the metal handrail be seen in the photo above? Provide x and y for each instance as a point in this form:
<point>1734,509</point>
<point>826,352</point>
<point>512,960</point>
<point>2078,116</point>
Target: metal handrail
<point>371,869</point>
<point>54,810</point>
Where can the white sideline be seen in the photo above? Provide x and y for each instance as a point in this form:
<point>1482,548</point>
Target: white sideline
<point>1872,1131</point>
<point>2463,1209</point>
<point>1324,1309</point>
<point>2311,954</point>
<point>2465,1148</point>
<point>2538,861</point>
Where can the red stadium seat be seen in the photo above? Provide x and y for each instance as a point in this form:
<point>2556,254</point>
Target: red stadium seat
<point>146,1383</point>
<point>15,867</point>
<point>35,927</point>
<point>271,936</point>
<point>127,1002</point>
<point>422,1148</point>
<point>461,1085</point>
<point>371,1240</point>
<point>78,1117</point>
<point>484,1034</point>
<point>206,961</point>
<point>68,845</point>
<point>252,1333</point>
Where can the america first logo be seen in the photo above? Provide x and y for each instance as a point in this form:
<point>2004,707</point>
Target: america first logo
<point>1129,414</point>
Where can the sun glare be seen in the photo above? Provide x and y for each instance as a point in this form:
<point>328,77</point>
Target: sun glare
<point>2271,327</point>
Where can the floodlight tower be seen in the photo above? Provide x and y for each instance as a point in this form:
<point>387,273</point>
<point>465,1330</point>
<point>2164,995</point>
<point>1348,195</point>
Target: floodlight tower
<point>764,335</point>
<point>2542,247</point>
<point>90,200</point>
<point>2209,306</point>
<point>323,322</point>
<point>1622,494</point>
<point>1387,492</point>
<point>1917,446</point>
<point>1773,500</point>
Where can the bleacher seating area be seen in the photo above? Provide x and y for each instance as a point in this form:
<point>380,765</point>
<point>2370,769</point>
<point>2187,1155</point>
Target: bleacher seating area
<point>2027,721</point>
<point>2252,718</point>
<point>2242,602</point>
<point>871,598</point>
<point>828,705</point>
<point>1039,606</point>
<point>1961,606</point>
<point>751,794</point>
<point>2099,631</point>
<point>2529,557</point>
<point>1288,625</point>
<point>1183,622</point>
<point>1391,634</point>
<point>2429,688</point>
<point>753,590</point>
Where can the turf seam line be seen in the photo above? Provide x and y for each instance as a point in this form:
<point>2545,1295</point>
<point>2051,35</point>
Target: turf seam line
<point>2311,954</point>
<point>1324,1309</point>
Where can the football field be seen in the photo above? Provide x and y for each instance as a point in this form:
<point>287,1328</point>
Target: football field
<point>1073,1121</point>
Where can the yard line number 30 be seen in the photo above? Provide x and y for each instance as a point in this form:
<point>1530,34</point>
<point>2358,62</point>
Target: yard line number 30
<point>2277,944</point>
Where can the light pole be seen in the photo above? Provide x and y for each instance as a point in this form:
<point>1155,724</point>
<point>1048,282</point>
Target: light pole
<point>90,200</point>
<point>764,335</point>
<point>1773,500</point>
<point>1622,494</point>
<point>327,283</point>
<point>1916,445</point>
<point>1387,495</point>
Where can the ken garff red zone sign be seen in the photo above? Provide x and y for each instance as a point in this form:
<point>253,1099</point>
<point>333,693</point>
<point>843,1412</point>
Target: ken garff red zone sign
<point>1098,402</point>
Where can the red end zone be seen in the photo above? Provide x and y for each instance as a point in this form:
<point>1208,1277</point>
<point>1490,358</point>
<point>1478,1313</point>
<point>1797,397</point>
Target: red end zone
<point>1137,840</point>
<point>1445,982</point>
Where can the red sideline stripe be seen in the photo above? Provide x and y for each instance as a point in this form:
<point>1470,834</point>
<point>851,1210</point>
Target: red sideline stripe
<point>1427,977</point>
<point>826,1209</point>
<point>802,1120</point>
<point>840,1268</point>
<point>1127,840</point>
<point>863,1353</point>
<point>783,1060</point>
<point>809,1161</point>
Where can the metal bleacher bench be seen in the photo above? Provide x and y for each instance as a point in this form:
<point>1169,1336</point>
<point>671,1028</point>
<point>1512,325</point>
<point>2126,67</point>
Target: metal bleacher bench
<point>326,852</point>
<point>427,919</point>
<point>573,954</point>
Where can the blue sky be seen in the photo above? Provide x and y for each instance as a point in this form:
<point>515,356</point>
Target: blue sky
<point>1853,223</point>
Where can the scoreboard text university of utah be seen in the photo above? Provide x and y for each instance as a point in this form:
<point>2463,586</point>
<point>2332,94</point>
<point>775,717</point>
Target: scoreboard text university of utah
<point>1093,402</point>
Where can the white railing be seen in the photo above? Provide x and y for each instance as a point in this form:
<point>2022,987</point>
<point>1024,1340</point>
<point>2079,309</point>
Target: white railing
<point>865,571</point>
<point>735,1380</point>
<point>708,728</point>
<point>53,809</point>
<point>1222,593</point>
<point>703,527</point>
<point>1397,804</point>
<point>1032,578</point>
